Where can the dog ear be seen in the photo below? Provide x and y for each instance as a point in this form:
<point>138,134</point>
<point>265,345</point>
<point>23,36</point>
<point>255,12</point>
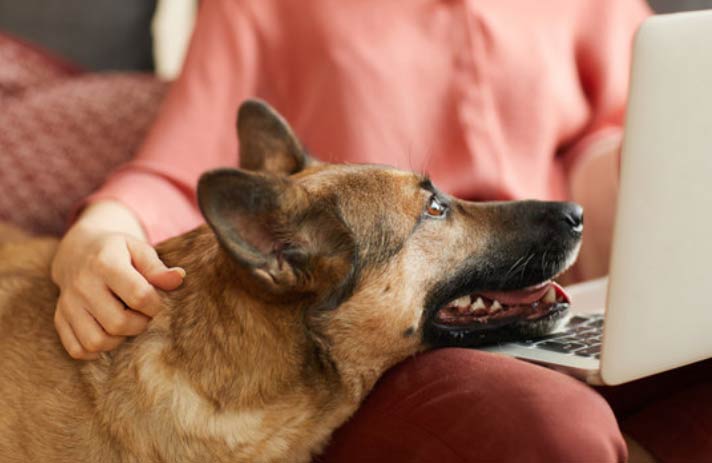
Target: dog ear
<point>267,143</point>
<point>269,229</point>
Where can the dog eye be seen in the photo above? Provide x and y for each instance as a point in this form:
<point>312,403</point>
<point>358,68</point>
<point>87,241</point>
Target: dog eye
<point>435,207</point>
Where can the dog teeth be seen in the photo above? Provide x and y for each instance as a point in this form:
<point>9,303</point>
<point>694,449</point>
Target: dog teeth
<point>463,301</point>
<point>496,306</point>
<point>550,296</point>
<point>478,304</point>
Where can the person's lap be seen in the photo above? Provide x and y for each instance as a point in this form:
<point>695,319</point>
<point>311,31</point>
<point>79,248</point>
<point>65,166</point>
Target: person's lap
<point>465,405</point>
<point>670,414</point>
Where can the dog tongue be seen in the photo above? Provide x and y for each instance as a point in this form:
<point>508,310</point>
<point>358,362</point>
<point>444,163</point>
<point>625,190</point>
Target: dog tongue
<point>527,295</point>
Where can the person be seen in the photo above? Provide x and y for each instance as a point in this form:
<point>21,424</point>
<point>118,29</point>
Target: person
<point>493,100</point>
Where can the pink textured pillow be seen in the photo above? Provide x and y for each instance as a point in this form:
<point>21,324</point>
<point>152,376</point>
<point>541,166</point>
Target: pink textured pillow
<point>62,132</point>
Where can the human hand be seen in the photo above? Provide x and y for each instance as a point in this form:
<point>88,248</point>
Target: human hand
<point>106,280</point>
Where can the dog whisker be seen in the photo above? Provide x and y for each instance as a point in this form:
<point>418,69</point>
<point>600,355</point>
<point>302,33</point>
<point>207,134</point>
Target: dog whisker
<point>511,269</point>
<point>522,269</point>
<point>543,259</point>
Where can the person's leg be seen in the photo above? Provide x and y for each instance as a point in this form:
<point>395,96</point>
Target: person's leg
<point>670,414</point>
<point>461,405</point>
<point>677,428</point>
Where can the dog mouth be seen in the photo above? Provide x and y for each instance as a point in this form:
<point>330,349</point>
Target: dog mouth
<point>491,309</point>
<point>485,317</point>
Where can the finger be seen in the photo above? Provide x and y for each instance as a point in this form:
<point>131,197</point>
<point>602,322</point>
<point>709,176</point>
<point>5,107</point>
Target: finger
<point>69,340</point>
<point>167,280</point>
<point>145,258</point>
<point>147,262</point>
<point>112,315</point>
<point>89,333</point>
<point>132,289</point>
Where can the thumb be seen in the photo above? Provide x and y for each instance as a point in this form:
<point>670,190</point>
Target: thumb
<point>147,262</point>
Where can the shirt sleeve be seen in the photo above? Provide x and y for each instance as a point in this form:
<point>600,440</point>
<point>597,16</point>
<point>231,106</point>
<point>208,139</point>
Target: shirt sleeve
<point>195,127</point>
<point>603,55</point>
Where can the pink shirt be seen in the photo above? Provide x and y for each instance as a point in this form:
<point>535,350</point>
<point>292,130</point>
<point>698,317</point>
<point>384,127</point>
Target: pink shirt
<point>494,99</point>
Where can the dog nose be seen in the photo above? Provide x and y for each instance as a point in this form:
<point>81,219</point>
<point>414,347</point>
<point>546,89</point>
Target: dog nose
<point>573,216</point>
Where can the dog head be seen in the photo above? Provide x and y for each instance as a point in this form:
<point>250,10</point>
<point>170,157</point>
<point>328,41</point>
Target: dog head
<point>381,256</point>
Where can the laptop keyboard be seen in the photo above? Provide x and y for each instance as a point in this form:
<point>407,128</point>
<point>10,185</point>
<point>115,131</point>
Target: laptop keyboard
<point>580,336</point>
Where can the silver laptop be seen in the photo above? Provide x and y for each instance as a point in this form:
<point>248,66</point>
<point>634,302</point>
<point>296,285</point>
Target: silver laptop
<point>658,310</point>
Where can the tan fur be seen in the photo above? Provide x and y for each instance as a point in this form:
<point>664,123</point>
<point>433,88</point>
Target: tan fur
<point>10,233</point>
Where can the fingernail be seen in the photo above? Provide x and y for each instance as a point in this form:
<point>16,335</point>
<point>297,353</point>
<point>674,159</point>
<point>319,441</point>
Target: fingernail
<point>179,270</point>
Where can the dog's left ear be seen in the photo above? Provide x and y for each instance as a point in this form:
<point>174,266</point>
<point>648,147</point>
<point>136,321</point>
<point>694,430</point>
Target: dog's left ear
<point>267,227</point>
<point>267,143</point>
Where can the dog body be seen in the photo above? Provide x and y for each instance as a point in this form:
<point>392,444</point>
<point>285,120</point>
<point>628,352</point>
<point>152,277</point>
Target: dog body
<point>251,395</point>
<point>309,281</point>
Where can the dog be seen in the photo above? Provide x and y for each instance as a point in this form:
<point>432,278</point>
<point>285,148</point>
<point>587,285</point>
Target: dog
<point>306,283</point>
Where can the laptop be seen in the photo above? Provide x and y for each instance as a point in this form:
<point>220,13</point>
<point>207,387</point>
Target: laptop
<point>658,309</point>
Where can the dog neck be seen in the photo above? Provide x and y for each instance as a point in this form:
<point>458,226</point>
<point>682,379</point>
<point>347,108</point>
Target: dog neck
<point>237,349</point>
<point>232,318</point>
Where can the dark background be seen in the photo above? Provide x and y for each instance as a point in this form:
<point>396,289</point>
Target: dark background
<point>97,34</point>
<point>669,6</point>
